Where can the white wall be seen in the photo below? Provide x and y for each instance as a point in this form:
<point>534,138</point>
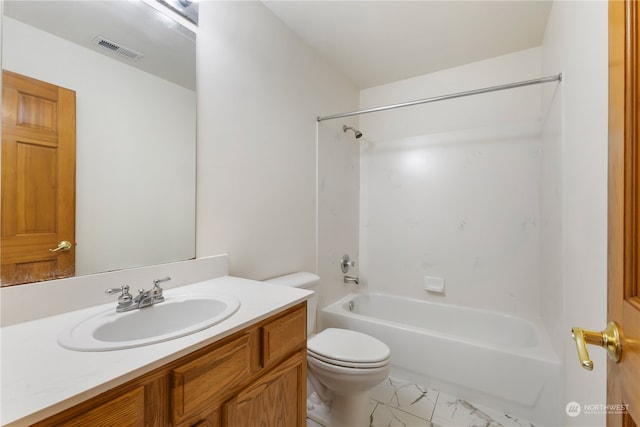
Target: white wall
<point>574,193</point>
<point>451,189</point>
<point>260,90</point>
<point>135,179</point>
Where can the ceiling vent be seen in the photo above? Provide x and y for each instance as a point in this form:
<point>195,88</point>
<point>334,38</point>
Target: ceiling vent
<point>117,48</point>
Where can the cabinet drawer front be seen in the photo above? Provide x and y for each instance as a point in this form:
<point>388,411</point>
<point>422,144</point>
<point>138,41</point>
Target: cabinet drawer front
<point>126,410</point>
<point>202,383</point>
<point>284,335</point>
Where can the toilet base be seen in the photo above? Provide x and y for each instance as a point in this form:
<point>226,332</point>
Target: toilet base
<point>318,411</point>
<point>350,411</point>
<point>342,411</point>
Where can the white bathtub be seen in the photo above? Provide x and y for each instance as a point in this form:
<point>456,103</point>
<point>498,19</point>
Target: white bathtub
<point>502,361</point>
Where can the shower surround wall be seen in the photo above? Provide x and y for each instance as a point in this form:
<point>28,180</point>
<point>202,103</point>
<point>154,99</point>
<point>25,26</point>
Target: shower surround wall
<point>451,189</point>
<point>338,199</point>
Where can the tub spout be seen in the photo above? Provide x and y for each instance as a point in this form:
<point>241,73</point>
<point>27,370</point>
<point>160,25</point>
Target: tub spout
<point>350,279</point>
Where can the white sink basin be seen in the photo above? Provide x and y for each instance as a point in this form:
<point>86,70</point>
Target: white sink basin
<point>176,317</point>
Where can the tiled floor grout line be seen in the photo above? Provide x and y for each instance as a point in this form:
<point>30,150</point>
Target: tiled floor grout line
<point>399,410</point>
<point>371,414</point>
<point>435,405</point>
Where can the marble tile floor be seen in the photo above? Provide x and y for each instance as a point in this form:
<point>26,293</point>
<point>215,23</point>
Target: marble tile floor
<point>400,403</point>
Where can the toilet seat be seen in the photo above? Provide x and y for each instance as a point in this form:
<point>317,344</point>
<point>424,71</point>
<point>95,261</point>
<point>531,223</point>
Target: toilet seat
<point>343,364</point>
<point>350,349</point>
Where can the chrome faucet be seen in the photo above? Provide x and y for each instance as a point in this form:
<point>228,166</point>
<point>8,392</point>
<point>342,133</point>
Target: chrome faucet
<point>127,302</point>
<point>157,290</point>
<point>350,279</point>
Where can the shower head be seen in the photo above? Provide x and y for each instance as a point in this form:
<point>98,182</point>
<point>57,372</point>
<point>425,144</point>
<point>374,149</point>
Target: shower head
<point>357,133</point>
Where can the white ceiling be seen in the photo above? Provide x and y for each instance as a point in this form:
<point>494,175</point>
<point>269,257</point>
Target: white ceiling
<point>377,42</point>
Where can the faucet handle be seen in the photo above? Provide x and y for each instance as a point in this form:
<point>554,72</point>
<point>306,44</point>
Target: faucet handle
<point>125,299</point>
<point>124,289</point>
<point>157,290</point>
<point>156,282</point>
<point>346,263</point>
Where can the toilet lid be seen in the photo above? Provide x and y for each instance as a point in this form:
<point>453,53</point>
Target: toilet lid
<point>343,345</point>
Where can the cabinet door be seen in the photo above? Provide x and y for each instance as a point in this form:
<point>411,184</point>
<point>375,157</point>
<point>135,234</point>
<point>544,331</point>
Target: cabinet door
<point>200,386</point>
<point>277,399</point>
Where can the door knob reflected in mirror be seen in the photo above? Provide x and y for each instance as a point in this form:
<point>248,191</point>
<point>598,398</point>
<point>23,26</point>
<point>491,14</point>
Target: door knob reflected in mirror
<point>609,339</point>
<point>62,247</point>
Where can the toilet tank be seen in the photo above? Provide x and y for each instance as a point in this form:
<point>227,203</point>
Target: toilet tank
<point>302,280</point>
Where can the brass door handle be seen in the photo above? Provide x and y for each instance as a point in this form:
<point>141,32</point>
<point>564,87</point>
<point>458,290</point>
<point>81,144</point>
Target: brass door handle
<point>62,247</point>
<point>609,339</point>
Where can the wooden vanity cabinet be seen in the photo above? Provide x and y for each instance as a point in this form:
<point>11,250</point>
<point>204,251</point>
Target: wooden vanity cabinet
<point>256,376</point>
<point>269,386</point>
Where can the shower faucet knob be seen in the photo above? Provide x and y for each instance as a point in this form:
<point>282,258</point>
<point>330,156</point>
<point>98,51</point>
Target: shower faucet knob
<point>346,263</point>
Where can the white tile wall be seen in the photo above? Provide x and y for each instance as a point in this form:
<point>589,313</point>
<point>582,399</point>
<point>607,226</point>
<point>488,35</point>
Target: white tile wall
<point>451,189</point>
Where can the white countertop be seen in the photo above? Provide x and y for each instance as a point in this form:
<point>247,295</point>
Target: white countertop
<point>40,378</point>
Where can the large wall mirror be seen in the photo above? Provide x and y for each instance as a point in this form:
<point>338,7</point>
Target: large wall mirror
<point>135,124</point>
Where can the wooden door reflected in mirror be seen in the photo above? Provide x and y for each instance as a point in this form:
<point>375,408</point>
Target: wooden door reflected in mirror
<point>38,180</point>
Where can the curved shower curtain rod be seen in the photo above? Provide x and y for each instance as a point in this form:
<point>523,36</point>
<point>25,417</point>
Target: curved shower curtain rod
<point>549,79</point>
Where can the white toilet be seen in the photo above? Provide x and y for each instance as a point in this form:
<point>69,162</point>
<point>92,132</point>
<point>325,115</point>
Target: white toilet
<point>343,365</point>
